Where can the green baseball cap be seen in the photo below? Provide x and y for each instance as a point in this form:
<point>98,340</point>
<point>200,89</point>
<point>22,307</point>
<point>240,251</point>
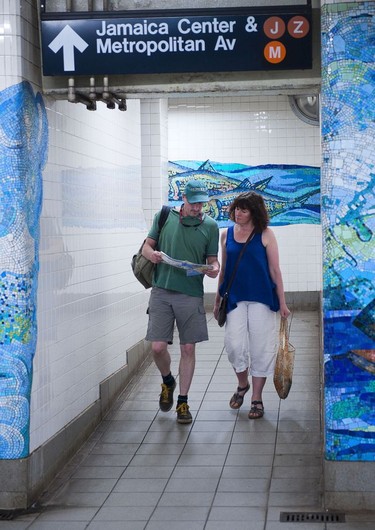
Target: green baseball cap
<point>196,191</point>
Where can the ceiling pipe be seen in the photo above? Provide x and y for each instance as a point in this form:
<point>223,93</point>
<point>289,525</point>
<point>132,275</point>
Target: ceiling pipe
<point>111,99</point>
<point>92,94</point>
<point>106,94</point>
<point>107,97</point>
<point>77,97</point>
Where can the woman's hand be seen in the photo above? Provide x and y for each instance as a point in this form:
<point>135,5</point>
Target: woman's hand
<point>284,311</point>
<point>216,309</point>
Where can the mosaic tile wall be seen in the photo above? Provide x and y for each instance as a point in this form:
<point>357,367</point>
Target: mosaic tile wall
<point>23,148</point>
<point>291,192</point>
<point>348,177</point>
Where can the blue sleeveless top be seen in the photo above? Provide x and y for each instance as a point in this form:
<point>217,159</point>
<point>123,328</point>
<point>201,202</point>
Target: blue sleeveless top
<point>252,282</point>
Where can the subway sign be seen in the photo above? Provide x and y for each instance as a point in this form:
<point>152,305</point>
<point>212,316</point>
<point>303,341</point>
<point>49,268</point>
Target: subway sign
<point>177,42</point>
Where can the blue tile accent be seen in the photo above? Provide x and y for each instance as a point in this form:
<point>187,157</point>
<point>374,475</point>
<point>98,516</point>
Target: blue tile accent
<point>23,152</point>
<point>348,175</point>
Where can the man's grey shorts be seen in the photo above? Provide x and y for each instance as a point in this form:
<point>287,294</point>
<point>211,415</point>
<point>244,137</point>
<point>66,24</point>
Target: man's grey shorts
<point>166,307</point>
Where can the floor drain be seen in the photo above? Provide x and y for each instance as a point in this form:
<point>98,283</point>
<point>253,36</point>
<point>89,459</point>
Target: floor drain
<point>312,517</point>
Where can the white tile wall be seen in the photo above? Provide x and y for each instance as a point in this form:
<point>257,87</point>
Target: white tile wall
<point>154,120</point>
<point>90,307</point>
<point>248,130</point>
<point>19,43</point>
<point>254,130</point>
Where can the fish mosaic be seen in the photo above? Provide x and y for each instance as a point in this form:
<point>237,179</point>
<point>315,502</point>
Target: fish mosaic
<point>291,192</point>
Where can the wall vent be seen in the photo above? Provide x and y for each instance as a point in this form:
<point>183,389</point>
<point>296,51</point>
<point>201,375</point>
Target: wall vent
<point>312,517</point>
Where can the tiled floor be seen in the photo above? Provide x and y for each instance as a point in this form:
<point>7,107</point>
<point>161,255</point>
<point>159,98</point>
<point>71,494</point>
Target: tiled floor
<point>142,471</point>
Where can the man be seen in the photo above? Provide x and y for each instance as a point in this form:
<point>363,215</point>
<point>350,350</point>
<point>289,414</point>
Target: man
<point>189,235</point>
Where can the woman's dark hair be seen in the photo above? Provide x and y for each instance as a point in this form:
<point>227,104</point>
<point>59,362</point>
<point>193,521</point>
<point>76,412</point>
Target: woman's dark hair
<point>257,207</point>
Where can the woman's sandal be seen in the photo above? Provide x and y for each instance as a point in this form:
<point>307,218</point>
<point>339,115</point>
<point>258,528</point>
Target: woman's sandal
<point>257,410</point>
<point>237,399</point>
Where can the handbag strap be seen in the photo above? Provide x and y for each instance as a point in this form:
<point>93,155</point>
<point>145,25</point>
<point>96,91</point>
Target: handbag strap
<point>238,259</point>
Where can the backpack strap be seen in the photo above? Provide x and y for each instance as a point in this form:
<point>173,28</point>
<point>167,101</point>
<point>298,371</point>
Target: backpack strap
<point>163,216</point>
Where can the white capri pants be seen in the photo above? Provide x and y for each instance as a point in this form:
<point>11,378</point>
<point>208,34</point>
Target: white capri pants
<point>250,338</point>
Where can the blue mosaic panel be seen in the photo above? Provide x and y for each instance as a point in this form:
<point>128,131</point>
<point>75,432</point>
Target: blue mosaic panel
<point>291,192</point>
<point>348,175</point>
<point>23,151</point>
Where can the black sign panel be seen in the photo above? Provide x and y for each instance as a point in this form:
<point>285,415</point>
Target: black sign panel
<point>219,41</point>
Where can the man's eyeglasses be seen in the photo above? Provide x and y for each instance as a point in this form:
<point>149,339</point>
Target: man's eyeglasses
<point>191,222</point>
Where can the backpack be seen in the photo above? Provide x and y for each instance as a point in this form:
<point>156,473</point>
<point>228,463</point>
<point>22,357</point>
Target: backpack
<point>143,269</point>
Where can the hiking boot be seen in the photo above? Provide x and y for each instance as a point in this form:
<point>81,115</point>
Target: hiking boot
<point>183,414</point>
<point>166,397</point>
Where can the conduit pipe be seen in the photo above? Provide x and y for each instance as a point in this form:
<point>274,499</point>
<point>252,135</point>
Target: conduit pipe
<point>107,97</point>
<point>110,98</point>
<point>78,97</point>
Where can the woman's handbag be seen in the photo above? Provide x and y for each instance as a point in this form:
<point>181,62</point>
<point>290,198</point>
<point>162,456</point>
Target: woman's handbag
<point>222,313</point>
<point>283,374</point>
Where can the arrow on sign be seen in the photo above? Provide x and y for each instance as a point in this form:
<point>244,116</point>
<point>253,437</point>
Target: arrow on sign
<point>68,39</point>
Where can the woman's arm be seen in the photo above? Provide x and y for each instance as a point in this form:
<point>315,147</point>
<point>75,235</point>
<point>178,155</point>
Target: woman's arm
<point>269,241</point>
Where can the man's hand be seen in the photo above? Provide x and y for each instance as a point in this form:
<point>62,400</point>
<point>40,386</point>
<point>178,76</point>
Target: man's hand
<point>156,257</point>
<point>149,252</point>
<point>213,272</point>
<point>216,267</point>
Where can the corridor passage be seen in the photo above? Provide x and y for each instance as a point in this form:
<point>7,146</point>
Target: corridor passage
<point>141,470</point>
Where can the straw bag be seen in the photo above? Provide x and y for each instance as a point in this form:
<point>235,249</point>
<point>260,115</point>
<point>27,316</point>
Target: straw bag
<point>283,374</point>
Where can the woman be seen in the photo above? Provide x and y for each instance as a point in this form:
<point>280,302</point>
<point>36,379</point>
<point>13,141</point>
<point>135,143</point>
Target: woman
<point>255,296</point>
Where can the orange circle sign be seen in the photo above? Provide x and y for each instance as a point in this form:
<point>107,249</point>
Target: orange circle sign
<point>274,27</point>
<point>275,52</point>
<point>298,27</point>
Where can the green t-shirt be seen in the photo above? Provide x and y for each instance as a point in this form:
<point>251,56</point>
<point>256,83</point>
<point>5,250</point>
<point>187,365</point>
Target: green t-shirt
<point>191,243</point>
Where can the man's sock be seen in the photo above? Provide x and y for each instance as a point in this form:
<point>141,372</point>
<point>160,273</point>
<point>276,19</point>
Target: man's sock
<point>181,399</point>
<point>168,379</point>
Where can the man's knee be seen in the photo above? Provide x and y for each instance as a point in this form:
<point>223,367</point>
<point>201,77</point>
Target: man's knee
<point>159,348</point>
<point>188,350</point>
